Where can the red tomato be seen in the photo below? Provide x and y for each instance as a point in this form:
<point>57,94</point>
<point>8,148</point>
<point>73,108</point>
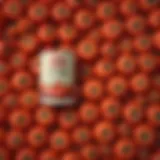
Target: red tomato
<point>4,86</point>
<point>2,136</point>
<point>25,153</point>
<point>108,50</point>
<point>67,33</point>
<point>2,115</point>
<point>153,115</point>
<point>112,29</point>
<point>81,135</point>
<point>28,44</point>
<point>46,33</point>
<point>126,64</point>
<point>18,60</point>
<point>25,2</point>
<point>156,81</point>
<point>87,50</point>
<point>156,155</point>
<point>125,45</point>
<point>143,153</point>
<point>72,156</point>
<point>94,35</point>
<point>37,137</point>
<point>92,89</point>
<point>133,113</point>
<point>110,108</point>
<point>142,43</point>
<point>22,80</point>
<point>153,95</point>
<point>74,4</point>
<point>104,68</point>
<point>29,99</point>
<point>88,112</point>
<point>104,132</point>
<point>60,11</point>
<point>106,10</point>
<point>59,140</point>
<point>155,40</point>
<point>83,19</point>
<point>117,86</point>
<point>85,71</point>
<point>14,139</point>
<point>68,119</point>
<point>154,19</point>
<point>144,135</point>
<point>19,119</point>
<point>48,154</point>
<point>90,152</point>
<point>124,149</point>
<point>45,116</point>
<point>34,65</point>
<point>148,4</point>
<point>12,9</point>
<point>92,3</point>
<point>135,25</point>
<point>4,154</point>
<point>128,7</point>
<point>4,68</point>
<point>124,129</point>
<point>139,83</point>
<point>37,12</point>
<point>106,151</point>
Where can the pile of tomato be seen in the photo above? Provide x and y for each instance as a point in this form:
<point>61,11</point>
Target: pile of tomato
<point>117,44</point>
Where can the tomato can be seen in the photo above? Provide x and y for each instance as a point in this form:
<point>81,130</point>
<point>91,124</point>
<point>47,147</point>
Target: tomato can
<point>57,77</point>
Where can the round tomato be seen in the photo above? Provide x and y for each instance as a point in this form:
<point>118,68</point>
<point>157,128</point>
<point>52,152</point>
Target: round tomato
<point>154,96</point>
<point>153,114</point>
<point>112,29</point>
<point>106,10</point>
<point>14,139</point>
<point>140,82</point>
<point>87,50</point>
<point>45,116</point>
<point>108,50</point>
<point>4,68</point>
<point>154,19</point>
<point>124,149</point>
<point>59,140</point>
<point>12,9</point>
<point>37,12</point>
<point>25,153</point>
<point>92,89</point>
<point>60,11</point>
<point>72,156</point>
<point>148,4</point>
<point>135,25</point>
<point>48,154</point>
<point>68,119</point>
<point>37,137</point>
<point>144,135</point>
<point>29,99</point>
<point>46,33</point>
<point>81,135</point>
<point>4,86</point>
<point>117,86</point>
<point>22,80</point>
<point>110,108</point>
<point>104,68</point>
<point>142,43</point>
<point>88,112</point>
<point>90,152</point>
<point>104,132</point>
<point>19,119</point>
<point>126,64</point>
<point>83,19</point>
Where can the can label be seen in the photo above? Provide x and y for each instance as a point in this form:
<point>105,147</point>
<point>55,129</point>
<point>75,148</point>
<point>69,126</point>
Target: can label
<point>57,77</point>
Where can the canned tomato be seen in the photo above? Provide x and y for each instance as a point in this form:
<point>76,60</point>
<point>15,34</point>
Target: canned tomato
<point>57,77</point>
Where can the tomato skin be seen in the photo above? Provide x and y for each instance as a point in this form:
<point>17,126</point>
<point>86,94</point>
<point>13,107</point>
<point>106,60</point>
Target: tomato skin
<point>72,156</point>
<point>124,129</point>
<point>37,137</point>
<point>156,81</point>
<point>110,108</point>
<point>4,154</point>
<point>155,155</point>
<point>19,119</point>
<point>92,90</point>
<point>83,20</point>
<point>14,139</point>
<point>48,154</point>
<point>117,86</point>
<point>85,71</point>
<point>88,112</point>
<point>147,5</point>
<point>144,135</point>
<point>104,68</point>
<point>81,135</point>
<point>154,19</point>
<point>124,149</point>
<point>59,140</point>
<point>22,80</point>
<point>34,65</point>
<point>2,136</point>
<point>74,4</point>
<point>153,113</point>
<point>68,119</point>
<point>155,40</point>
<point>125,45</point>
<point>4,69</point>
<point>104,132</point>
<point>106,10</point>
<point>25,153</point>
<point>45,116</point>
<point>4,88</point>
